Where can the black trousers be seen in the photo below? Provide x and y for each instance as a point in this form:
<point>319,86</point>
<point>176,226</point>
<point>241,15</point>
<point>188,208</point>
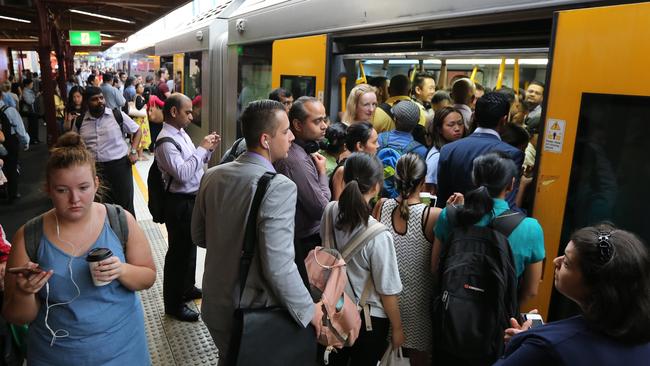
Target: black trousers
<point>180,261</point>
<point>32,127</point>
<point>117,177</point>
<point>366,351</point>
<point>155,129</point>
<point>10,167</point>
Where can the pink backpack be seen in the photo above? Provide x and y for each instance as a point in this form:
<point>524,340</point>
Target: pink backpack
<point>339,322</point>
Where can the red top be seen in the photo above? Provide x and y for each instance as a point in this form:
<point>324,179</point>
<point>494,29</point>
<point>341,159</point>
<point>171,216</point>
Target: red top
<point>5,247</point>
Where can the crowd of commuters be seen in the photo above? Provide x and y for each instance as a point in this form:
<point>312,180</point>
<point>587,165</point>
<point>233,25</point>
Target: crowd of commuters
<point>422,165</point>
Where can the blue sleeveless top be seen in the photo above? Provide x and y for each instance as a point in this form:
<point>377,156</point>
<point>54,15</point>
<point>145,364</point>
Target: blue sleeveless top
<point>105,324</point>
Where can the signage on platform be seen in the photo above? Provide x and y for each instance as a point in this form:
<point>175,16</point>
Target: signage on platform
<point>85,38</point>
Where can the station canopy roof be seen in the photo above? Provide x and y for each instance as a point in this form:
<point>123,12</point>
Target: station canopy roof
<point>114,19</point>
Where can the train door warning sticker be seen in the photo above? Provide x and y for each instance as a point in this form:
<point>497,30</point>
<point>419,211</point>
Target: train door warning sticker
<point>554,135</point>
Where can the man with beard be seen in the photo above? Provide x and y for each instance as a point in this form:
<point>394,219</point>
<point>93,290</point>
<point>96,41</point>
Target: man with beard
<point>533,102</point>
<point>103,132</point>
<point>306,168</point>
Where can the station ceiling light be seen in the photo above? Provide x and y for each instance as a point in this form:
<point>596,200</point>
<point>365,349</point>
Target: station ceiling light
<point>105,35</point>
<point>102,16</point>
<point>15,19</point>
<point>470,61</point>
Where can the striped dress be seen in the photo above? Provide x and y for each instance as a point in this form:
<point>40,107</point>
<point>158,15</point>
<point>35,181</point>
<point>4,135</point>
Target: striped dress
<point>413,260</point>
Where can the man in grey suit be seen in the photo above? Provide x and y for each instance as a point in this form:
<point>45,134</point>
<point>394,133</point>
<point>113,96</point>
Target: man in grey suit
<point>219,219</point>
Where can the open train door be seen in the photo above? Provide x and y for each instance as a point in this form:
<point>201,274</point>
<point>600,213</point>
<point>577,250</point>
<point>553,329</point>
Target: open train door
<point>300,65</point>
<point>594,142</point>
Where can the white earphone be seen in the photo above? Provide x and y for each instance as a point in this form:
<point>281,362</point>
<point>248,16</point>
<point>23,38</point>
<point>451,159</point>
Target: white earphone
<point>266,143</point>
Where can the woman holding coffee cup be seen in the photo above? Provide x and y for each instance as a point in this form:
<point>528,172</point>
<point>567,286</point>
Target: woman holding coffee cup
<point>78,315</point>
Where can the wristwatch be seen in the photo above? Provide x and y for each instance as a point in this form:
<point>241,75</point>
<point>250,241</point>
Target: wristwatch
<point>133,152</point>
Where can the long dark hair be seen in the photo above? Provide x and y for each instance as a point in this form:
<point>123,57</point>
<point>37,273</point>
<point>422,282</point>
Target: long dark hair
<point>435,128</point>
<point>492,173</point>
<point>409,173</point>
<point>358,132</point>
<point>361,174</point>
<point>615,267</point>
<point>70,105</point>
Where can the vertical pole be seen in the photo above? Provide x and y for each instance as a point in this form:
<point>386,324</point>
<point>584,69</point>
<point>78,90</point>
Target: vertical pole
<point>515,77</point>
<point>44,49</point>
<point>442,78</point>
<point>10,61</point>
<point>502,70</point>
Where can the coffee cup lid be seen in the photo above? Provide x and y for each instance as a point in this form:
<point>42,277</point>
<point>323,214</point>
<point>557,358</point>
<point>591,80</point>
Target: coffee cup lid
<point>98,254</point>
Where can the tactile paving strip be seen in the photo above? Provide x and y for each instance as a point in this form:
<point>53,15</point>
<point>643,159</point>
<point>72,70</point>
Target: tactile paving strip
<point>171,342</point>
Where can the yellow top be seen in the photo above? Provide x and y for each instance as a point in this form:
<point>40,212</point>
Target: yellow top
<point>382,121</point>
<point>59,106</point>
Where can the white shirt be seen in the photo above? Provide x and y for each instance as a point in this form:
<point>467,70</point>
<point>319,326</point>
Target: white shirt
<point>487,130</point>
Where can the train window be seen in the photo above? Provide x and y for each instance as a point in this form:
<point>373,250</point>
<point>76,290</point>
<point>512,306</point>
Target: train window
<point>299,85</point>
<point>192,83</point>
<point>609,174</point>
<point>610,171</point>
<point>254,81</point>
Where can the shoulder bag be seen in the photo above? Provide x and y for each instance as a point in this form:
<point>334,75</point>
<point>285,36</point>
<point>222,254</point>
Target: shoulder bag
<point>266,336</point>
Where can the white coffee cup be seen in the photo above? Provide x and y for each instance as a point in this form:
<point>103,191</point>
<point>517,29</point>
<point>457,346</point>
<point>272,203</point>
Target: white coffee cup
<point>93,258</point>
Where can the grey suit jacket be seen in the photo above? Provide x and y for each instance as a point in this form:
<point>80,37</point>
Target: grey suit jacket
<point>218,224</point>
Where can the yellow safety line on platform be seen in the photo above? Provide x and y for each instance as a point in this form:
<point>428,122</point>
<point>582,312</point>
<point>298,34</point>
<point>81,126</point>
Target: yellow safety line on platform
<point>140,183</point>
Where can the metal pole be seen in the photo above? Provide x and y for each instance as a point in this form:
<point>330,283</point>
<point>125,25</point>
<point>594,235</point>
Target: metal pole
<point>44,49</point>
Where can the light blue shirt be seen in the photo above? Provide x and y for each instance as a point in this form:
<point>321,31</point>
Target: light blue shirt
<point>103,136</point>
<point>112,96</point>
<point>526,240</point>
<point>433,156</point>
<point>8,100</point>
<point>186,166</point>
<point>17,125</point>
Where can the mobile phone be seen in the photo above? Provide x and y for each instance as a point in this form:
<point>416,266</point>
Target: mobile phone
<point>536,319</point>
<point>24,270</point>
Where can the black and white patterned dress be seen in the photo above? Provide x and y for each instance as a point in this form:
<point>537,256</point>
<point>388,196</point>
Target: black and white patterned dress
<point>413,260</point>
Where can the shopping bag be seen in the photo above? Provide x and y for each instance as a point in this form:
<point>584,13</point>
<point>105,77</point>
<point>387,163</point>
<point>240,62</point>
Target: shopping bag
<point>394,357</point>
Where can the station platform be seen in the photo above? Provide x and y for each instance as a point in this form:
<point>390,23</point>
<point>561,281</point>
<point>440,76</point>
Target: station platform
<point>170,342</point>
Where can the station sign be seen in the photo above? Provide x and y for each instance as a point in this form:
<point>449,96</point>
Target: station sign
<point>85,38</point>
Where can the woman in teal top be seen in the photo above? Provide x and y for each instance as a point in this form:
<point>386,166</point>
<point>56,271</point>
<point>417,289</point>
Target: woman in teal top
<point>494,174</point>
<point>72,320</point>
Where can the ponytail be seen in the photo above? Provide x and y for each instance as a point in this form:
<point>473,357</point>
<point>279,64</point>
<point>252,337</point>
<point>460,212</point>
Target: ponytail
<point>353,208</point>
<point>409,173</point>
<point>362,173</point>
<point>493,173</point>
<point>478,203</point>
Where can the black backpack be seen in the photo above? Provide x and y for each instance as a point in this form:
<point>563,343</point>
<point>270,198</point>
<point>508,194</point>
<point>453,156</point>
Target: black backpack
<point>4,120</point>
<point>235,150</point>
<point>477,291</point>
<point>156,185</point>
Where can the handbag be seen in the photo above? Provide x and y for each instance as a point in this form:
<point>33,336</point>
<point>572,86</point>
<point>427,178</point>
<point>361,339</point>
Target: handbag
<point>137,113</point>
<point>155,114</point>
<point>394,357</point>
<point>265,336</point>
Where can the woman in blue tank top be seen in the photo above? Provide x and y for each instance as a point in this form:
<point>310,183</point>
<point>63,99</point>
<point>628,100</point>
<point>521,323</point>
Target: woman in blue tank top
<point>73,320</point>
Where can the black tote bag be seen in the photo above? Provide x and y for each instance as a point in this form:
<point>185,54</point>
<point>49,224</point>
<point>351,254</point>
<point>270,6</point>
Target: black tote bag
<point>266,336</point>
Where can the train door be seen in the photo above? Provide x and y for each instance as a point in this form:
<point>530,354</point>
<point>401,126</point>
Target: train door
<point>593,148</point>
<point>299,65</point>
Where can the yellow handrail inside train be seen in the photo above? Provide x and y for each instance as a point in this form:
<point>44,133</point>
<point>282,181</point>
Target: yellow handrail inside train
<point>515,78</point>
<point>362,79</point>
<point>343,81</point>
<point>474,71</point>
<point>502,69</point>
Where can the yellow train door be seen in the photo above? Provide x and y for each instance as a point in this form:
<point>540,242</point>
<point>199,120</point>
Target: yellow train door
<point>593,164</point>
<point>299,65</point>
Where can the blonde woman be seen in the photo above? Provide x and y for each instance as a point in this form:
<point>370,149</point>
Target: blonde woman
<point>361,104</point>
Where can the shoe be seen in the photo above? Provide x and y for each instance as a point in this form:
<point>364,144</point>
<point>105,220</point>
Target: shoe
<point>184,314</point>
<point>193,294</point>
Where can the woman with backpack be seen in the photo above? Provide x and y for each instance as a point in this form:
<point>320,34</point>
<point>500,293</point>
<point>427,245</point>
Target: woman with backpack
<point>360,137</point>
<point>447,126</point>
<point>494,175</point>
<point>79,315</point>
<point>372,271</point>
<point>411,224</point>
<point>606,271</point>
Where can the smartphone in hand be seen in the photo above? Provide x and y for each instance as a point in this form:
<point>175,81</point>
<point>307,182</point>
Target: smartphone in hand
<point>535,318</point>
<point>24,270</point>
